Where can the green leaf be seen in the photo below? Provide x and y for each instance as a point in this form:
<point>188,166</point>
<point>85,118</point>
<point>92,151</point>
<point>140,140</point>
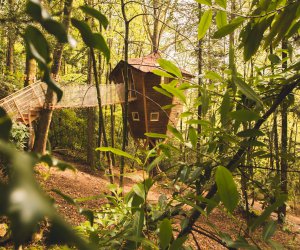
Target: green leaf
<point>88,214</point>
<point>170,106</point>
<point>250,133</point>
<point>213,76</point>
<point>155,162</point>
<point>274,58</point>
<point>281,25</point>
<point>67,198</point>
<point>205,2</point>
<point>34,9</point>
<point>244,115</point>
<point>156,135</point>
<point>139,190</point>
<point>165,233</point>
<point>174,91</point>
<point>248,91</point>
<point>225,109</point>
<point>57,29</point>
<point>162,73</point>
<point>241,243</point>
<point>221,19</point>
<point>178,243</point>
<point>204,23</point>
<point>222,3</point>
<point>169,67</point>
<point>85,32</point>
<point>205,100</point>
<point>194,205</point>
<point>96,14</point>
<point>119,152</point>
<point>37,46</point>
<point>193,136</point>
<point>39,14</point>
<point>269,230</point>
<point>227,189</point>
<point>27,204</point>
<point>175,132</point>
<point>186,114</point>
<point>253,143</point>
<point>138,222</point>
<point>229,28</point>
<point>253,34</point>
<point>101,45</point>
<point>200,122</point>
<point>267,212</point>
<point>293,29</point>
<point>162,91</point>
<point>145,242</point>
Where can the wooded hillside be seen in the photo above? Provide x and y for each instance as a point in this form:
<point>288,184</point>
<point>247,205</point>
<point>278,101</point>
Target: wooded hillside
<point>198,99</point>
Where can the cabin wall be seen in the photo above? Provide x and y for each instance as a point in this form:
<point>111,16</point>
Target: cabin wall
<point>137,128</point>
<point>154,103</point>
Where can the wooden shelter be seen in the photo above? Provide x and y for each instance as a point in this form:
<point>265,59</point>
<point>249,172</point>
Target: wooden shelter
<point>145,113</point>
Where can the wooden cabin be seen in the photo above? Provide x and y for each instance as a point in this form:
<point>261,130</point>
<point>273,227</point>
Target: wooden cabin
<point>145,113</point>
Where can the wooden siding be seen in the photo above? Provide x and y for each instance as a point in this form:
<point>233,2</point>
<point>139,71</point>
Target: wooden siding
<point>155,101</point>
<point>147,101</point>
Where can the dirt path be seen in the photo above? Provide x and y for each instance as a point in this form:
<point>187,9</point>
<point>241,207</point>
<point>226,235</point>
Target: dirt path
<point>84,183</point>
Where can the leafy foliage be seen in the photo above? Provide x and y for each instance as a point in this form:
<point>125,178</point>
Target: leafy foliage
<point>205,157</point>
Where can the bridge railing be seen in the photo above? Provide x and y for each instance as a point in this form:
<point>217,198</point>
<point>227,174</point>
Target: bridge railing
<point>19,104</point>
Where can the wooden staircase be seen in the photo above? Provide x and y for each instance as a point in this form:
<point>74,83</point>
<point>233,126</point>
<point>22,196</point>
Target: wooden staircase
<point>25,105</point>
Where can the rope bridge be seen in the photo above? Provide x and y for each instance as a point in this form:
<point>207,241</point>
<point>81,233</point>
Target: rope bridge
<point>25,105</point>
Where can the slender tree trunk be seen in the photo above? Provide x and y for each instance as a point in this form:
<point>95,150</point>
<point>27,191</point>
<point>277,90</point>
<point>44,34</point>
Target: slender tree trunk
<point>30,76</point>
<point>284,146</point>
<point>125,106</point>
<point>91,112</point>
<point>276,143</point>
<point>10,42</point>
<point>91,119</point>
<point>30,71</point>
<point>101,118</point>
<point>46,113</point>
<point>200,66</point>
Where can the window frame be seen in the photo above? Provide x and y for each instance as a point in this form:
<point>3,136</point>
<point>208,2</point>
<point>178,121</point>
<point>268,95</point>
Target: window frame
<point>134,118</point>
<point>151,118</point>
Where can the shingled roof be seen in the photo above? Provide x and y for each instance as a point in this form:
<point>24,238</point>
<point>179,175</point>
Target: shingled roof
<point>148,63</point>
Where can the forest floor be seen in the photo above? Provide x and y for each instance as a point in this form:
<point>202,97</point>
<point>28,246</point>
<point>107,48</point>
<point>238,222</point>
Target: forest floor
<point>85,182</point>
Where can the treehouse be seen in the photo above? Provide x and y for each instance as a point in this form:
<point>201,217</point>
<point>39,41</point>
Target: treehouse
<point>145,112</point>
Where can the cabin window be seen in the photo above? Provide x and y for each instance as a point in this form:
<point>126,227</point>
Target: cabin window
<point>154,116</point>
<point>135,116</point>
<point>165,80</point>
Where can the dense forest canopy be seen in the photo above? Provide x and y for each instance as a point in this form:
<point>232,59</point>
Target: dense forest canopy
<point>229,71</point>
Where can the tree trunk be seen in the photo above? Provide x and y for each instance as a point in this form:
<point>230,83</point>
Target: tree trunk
<point>91,119</point>
<point>125,105</point>
<point>200,66</point>
<point>284,141</point>
<point>30,71</point>
<point>101,118</point>
<point>10,42</point>
<point>46,113</point>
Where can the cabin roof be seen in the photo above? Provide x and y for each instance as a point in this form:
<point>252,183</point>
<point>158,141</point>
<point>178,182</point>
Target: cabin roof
<point>147,64</point>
